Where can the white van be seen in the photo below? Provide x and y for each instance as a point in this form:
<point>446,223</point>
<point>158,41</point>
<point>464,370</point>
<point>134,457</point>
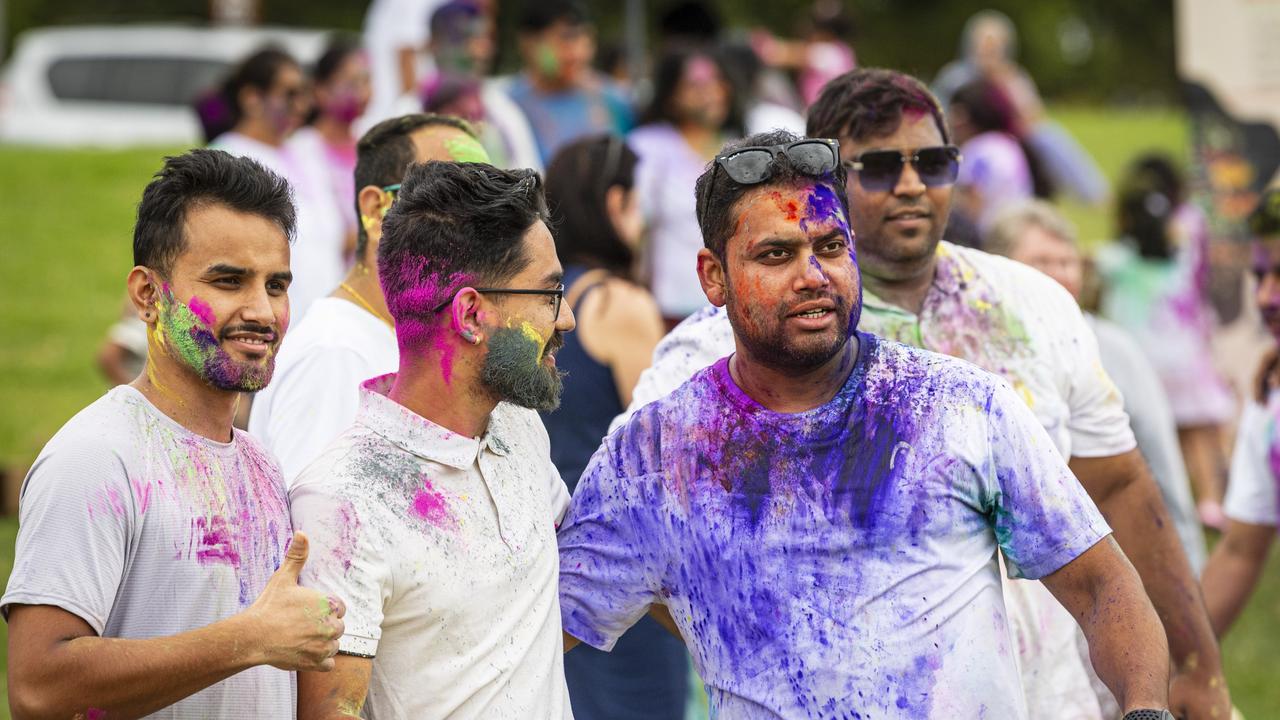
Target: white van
<point>116,85</point>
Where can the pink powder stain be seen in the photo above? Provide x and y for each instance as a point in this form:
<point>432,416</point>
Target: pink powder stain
<point>142,491</point>
<point>95,714</point>
<point>216,541</point>
<point>349,534</point>
<point>202,310</point>
<point>432,506</point>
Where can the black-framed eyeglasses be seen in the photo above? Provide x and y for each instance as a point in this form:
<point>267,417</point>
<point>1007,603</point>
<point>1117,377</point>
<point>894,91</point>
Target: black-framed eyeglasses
<point>753,165</point>
<point>557,293</point>
<point>880,170</point>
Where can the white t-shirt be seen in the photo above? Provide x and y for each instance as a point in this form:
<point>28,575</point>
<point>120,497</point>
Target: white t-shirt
<point>316,255</point>
<point>144,529</point>
<point>1012,320</point>
<point>390,25</point>
<point>315,391</point>
<point>839,562</point>
<point>443,548</point>
<point>1253,495</point>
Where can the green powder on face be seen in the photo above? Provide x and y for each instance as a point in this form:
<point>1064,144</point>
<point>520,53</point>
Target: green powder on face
<point>466,149</point>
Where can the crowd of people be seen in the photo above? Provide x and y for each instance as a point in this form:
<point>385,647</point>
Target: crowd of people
<point>774,381</point>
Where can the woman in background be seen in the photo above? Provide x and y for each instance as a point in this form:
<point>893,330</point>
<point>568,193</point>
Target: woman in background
<point>692,114</point>
<point>341,91</point>
<point>594,208</point>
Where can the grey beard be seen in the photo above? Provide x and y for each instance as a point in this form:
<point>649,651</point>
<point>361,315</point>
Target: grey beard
<point>513,371</point>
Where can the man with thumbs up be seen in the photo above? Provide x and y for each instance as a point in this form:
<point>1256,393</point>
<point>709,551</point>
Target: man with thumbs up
<point>154,573</point>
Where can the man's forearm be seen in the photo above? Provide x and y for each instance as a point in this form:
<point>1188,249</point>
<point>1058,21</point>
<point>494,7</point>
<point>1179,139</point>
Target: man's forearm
<point>130,678</point>
<point>1233,571</point>
<point>1127,645</point>
<point>1143,528</point>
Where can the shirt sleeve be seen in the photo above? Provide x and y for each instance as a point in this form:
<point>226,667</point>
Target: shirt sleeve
<point>611,554</point>
<point>696,343</point>
<point>1043,517</point>
<point>77,518</point>
<point>1252,492</point>
<point>1098,424</point>
<point>315,402</point>
<point>347,559</point>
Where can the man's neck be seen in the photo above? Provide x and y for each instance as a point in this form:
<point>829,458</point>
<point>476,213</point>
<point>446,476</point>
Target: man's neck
<point>454,402</point>
<point>188,400</point>
<point>334,133</point>
<point>906,287</point>
<point>790,391</point>
<point>362,288</point>
<point>704,141</point>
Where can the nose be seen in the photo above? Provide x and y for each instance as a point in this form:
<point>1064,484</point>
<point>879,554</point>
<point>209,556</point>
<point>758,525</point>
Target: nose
<point>260,308</point>
<point>909,183</point>
<point>566,321</point>
<point>812,275</point>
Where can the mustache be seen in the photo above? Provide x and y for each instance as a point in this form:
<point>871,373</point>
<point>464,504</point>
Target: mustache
<point>249,328</point>
<point>554,344</point>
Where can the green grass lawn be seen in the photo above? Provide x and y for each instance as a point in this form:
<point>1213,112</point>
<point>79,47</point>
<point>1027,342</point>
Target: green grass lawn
<point>67,219</point>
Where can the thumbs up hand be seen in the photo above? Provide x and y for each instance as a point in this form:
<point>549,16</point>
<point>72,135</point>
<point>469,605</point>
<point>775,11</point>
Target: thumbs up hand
<point>298,628</point>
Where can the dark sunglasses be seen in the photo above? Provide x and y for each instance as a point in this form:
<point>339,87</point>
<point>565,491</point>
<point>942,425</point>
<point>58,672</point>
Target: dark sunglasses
<point>557,293</point>
<point>753,165</point>
<point>879,170</point>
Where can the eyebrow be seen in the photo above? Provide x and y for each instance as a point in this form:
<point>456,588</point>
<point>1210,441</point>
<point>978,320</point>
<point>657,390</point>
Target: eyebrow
<point>225,269</point>
<point>554,278</point>
<point>788,243</point>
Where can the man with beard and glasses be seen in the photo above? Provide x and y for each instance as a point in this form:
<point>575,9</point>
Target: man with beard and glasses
<point>152,576</point>
<point>820,511</point>
<point>434,515</point>
<point>1009,320</point>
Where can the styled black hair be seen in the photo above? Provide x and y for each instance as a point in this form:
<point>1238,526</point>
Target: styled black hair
<point>716,209</point>
<point>257,71</point>
<point>666,80</point>
<point>453,224</point>
<point>386,151</point>
<point>197,178</point>
<point>868,103</point>
<point>538,15</point>
<point>578,177</point>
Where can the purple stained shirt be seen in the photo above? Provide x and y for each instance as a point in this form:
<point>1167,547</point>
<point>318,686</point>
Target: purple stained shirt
<point>839,562</point>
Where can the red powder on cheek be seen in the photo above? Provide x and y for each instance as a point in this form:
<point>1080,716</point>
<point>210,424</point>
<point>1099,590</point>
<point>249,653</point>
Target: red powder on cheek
<point>201,310</point>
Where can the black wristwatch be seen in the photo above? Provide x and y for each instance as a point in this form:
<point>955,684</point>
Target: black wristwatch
<point>1149,715</point>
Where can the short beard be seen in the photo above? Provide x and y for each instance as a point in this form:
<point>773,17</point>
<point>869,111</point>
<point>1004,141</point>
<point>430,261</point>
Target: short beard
<point>513,370</point>
<point>770,348</point>
<point>194,343</point>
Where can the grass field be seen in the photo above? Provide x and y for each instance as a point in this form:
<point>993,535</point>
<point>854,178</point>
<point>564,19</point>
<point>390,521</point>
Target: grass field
<point>67,219</point>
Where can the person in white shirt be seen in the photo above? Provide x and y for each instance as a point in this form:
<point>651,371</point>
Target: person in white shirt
<point>1253,494</point>
<point>434,515</point>
<point>267,94</point>
<point>347,337</point>
<point>396,33</point>
<point>820,512</point>
<point>1010,320</point>
<point>154,573</point>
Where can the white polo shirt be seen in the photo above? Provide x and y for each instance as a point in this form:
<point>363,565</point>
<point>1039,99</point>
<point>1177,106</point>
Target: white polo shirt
<point>1015,322</point>
<point>443,548</point>
<point>1253,495</point>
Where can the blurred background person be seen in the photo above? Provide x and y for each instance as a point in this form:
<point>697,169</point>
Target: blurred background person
<point>462,46</point>
<point>823,52</point>
<point>396,33</point>
<point>692,114</point>
<point>1156,284</point>
<point>123,353</point>
<point>1034,233</point>
<point>760,113</point>
<point>592,197</point>
<point>563,97</point>
<point>988,52</point>
<point>268,98</point>
<point>1253,495</point>
<point>340,91</point>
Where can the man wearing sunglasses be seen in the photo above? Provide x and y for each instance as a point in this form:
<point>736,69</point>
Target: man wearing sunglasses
<point>347,337</point>
<point>820,511</point>
<point>1008,320</point>
<point>434,515</point>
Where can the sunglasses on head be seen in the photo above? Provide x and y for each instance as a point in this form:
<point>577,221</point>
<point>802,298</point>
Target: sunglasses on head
<point>753,165</point>
<point>880,170</point>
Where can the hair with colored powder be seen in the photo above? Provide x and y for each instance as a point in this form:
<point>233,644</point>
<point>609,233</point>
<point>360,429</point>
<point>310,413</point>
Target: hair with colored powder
<point>1012,222</point>
<point>257,71</point>
<point>194,179</point>
<point>453,224</point>
<point>578,178</point>
<point>386,151</point>
<point>868,103</point>
<point>718,210</point>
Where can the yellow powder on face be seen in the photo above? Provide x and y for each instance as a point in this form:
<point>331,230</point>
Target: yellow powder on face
<point>532,333</point>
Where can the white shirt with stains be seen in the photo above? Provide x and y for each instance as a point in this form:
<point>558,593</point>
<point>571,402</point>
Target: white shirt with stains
<point>1253,495</point>
<point>443,548</point>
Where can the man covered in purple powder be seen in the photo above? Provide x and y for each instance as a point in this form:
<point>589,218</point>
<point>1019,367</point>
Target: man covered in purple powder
<point>151,575</point>
<point>820,511</point>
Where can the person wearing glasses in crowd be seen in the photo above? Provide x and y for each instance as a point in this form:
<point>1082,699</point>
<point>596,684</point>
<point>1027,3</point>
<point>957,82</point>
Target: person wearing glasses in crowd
<point>594,208</point>
<point>820,511</point>
<point>434,515</point>
<point>347,337</point>
<point>1015,322</point>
